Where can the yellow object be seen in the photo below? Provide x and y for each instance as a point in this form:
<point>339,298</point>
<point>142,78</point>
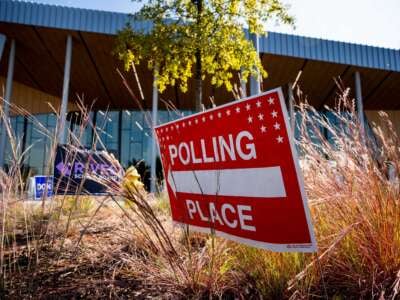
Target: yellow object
<point>132,180</point>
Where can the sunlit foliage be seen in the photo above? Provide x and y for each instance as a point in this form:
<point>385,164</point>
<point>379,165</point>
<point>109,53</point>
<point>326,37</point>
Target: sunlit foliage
<point>184,30</point>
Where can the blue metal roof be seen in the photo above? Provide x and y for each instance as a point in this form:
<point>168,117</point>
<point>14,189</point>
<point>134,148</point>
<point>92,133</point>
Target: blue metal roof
<point>331,51</point>
<point>105,22</point>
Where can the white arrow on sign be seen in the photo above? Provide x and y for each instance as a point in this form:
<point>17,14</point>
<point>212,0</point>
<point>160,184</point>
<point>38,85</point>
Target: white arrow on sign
<point>251,182</point>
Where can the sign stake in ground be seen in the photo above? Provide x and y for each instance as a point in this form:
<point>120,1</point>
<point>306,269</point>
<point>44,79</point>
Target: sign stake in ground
<point>234,170</point>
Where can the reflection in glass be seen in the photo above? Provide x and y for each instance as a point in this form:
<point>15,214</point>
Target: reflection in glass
<point>124,133</point>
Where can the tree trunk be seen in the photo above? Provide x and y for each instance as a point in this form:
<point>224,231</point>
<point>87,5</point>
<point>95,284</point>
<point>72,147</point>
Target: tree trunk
<point>198,82</point>
<point>198,73</point>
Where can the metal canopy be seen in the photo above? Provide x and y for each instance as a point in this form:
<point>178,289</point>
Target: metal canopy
<point>104,22</point>
<point>40,32</point>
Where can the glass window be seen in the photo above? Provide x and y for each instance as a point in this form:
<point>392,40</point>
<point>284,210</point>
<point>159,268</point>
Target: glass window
<point>133,130</point>
<point>132,137</point>
<point>39,136</point>
<point>107,126</point>
<point>136,153</point>
<point>17,127</point>
<point>163,117</point>
<point>82,130</point>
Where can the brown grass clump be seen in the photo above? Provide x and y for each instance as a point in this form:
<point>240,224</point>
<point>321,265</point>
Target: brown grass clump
<point>353,186</point>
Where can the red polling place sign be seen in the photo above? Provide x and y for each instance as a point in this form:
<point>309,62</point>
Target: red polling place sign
<point>234,169</point>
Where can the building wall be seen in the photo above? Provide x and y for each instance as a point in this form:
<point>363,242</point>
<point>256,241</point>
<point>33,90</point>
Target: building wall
<point>125,133</point>
<point>32,100</point>
<point>394,116</point>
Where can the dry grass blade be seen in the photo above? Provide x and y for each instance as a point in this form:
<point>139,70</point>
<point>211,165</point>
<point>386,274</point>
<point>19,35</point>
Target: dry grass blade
<point>127,247</point>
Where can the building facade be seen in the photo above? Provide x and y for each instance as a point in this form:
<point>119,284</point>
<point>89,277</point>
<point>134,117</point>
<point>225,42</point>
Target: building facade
<point>53,57</point>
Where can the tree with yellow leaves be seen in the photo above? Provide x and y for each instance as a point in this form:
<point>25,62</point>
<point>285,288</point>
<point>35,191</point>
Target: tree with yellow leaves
<point>200,38</point>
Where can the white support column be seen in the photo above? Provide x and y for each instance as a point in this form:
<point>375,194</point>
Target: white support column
<point>255,81</point>
<point>7,100</point>
<point>291,107</point>
<point>64,99</point>
<point>359,101</point>
<point>154,117</point>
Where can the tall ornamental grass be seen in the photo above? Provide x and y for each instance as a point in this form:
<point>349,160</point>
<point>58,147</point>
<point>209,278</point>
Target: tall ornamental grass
<point>124,244</point>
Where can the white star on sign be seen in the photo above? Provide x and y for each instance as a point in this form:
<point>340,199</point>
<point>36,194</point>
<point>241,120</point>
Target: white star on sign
<point>190,123</point>
<point>258,103</point>
<point>274,114</point>
<point>228,112</point>
<point>183,124</point>
<point>172,127</point>
<point>260,117</point>
<point>248,106</point>
<point>177,126</point>
<point>263,129</point>
<point>167,138</point>
<point>238,109</point>
<point>161,130</point>
<point>279,139</point>
<point>219,114</point>
<point>270,101</point>
<point>277,126</point>
<point>211,117</point>
<point>250,119</point>
<point>203,119</point>
<point>166,129</point>
<point>196,121</point>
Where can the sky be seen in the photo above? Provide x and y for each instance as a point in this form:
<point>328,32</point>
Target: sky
<point>369,22</point>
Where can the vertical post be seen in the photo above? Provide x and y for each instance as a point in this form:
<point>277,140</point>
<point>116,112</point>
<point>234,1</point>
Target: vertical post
<point>94,122</point>
<point>360,107</point>
<point>255,80</point>
<point>291,107</point>
<point>120,135</point>
<point>64,99</point>
<point>25,131</point>
<point>199,105</point>
<point>2,44</point>
<point>243,87</point>
<point>7,100</point>
<point>154,110</point>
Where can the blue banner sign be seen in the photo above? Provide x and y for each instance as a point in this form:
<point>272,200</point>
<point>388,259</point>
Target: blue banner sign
<point>75,171</point>
<point>43,185</point>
